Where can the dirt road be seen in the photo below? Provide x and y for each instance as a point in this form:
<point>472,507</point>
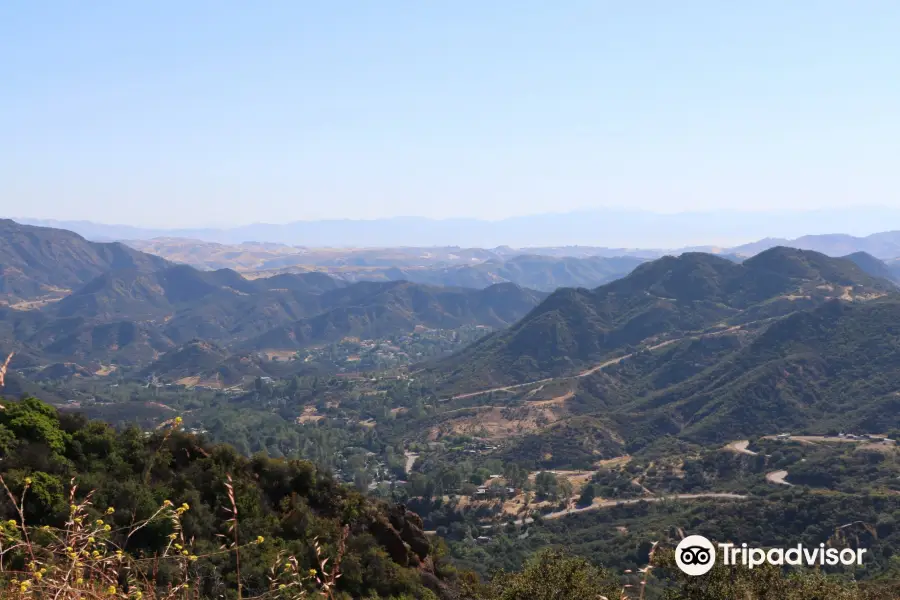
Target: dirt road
<point>602,365</point>
<point>778,477</point>
<point>740,447</point>
<point>611,503</point>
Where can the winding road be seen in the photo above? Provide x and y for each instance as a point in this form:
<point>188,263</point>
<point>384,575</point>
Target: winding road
<point>600,366</point>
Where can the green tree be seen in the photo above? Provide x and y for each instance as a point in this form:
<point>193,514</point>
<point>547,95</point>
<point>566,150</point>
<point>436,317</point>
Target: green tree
<point>552,575</point>
<point>545,485</point>
<point>587,496</point>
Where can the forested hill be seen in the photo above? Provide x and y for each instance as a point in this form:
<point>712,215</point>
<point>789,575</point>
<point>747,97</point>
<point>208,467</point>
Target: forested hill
<point>660,300</point>
<point>41,262</point>
<point>95,513</point>
<point>281,506</point>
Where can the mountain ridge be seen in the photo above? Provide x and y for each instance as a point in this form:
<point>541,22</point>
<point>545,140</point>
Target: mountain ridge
<point>40,262</point>
<point>663,298</point>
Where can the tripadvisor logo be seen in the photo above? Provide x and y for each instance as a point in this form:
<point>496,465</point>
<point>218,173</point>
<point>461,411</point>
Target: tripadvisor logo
<point>696,555</point>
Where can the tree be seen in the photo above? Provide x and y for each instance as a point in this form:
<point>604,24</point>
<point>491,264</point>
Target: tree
<point>587,496</point>
<point>545,484</point>
<point>564,487</point>
<point>552,575</point>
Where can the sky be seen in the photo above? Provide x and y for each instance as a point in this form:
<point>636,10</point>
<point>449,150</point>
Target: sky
<point>198,113</point>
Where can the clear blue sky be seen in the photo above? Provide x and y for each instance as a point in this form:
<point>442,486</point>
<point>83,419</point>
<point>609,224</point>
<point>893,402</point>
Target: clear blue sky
<point>197,112</point>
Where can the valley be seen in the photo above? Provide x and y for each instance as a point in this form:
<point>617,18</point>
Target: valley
<point>504,416</point>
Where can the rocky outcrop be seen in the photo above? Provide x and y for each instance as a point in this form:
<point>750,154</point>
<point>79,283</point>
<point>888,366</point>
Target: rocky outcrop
<point>402,536</point>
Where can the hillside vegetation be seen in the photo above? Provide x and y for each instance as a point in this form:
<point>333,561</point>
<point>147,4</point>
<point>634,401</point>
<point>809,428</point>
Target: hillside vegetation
<point>660,300</point>
<point>67,300</point>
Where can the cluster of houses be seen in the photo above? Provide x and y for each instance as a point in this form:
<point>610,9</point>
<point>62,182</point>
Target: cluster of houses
<point>479,446</point>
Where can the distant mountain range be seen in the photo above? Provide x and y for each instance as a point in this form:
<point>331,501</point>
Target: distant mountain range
<point>884,245</point>
<point>612,228</point>
<point>547,269</point>
<point>544,268</point>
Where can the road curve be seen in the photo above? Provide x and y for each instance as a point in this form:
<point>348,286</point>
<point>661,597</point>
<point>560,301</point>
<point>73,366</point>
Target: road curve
<point>740,447</point>
<point>778,477</point>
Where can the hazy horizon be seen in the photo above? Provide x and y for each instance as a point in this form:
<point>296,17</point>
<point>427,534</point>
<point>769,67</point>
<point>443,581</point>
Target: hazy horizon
<point>600,227</point>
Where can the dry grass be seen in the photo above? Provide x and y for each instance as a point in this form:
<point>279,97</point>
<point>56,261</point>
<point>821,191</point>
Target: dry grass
<point>500,423</point>
<point>310,415</point>
<point>3,368</point>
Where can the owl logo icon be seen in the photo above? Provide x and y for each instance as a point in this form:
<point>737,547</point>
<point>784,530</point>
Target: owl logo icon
<point>695,555</point>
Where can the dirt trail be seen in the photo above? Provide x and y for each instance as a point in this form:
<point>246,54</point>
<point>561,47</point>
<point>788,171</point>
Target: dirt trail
<point>552,401</point>
<point>740,447</point>
<point>611,503</point>
<point>778,477</point>
<point>602,365</point>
